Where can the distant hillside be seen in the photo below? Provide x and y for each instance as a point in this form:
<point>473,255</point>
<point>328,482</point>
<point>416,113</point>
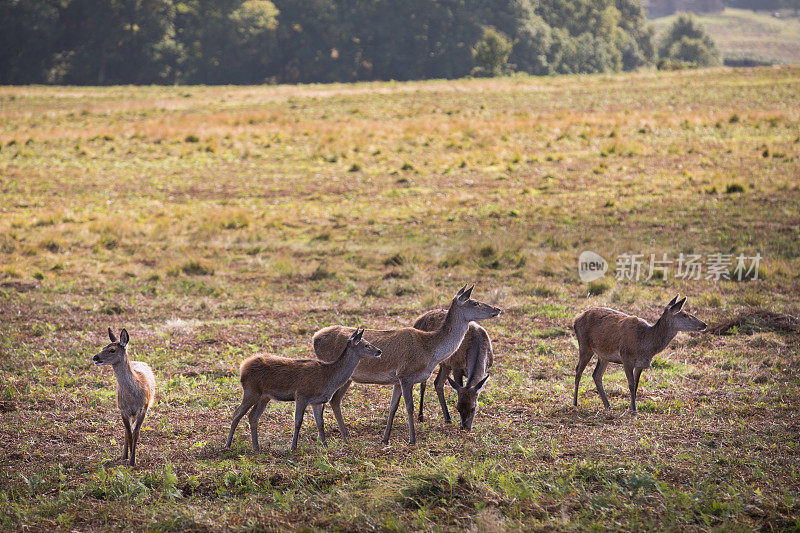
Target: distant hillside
<point>746,35</point>
<point>661,8</point>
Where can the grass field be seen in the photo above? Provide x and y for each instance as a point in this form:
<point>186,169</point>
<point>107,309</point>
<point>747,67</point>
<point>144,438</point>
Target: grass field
<point>743,34</point>
<point>214,223</point>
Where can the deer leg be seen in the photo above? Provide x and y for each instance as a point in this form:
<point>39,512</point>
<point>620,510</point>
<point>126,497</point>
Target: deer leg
<point>441,379</point>
<point>458,376</point>
<point>336,405</point>
<point>584,356</point>
<point>253,417</point>
<point>407,389</point>
<point>247,402</point>
<point>135,436</point>
<point>632,386</point>
<point>300,405</point>
<point>317,408</point>
<point>420,417</point>
<point>128,438</point>
<point>599,370</point>
<point>637,373</point>
<point>396,393</point>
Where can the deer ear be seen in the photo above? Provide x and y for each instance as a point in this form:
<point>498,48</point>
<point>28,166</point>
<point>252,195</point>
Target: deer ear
<point>461,291</point>
<point>481,385</point>
<point>466,294</point>
<point>453,384</point>
<point>677,307</point>
<point>111,335</point>
<point>124,338</point>
<point>672,302</point>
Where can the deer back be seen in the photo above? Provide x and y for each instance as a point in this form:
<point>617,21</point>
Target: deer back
<point>608,331</point>
<point>282,377</point>
<point>403,351</point>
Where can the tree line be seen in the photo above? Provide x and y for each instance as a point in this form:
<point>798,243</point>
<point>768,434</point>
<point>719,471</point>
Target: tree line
<point>255,41</point>
<point>288,41</point>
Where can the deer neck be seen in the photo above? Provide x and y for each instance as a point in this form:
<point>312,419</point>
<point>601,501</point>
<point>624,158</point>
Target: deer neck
<point>477,356</point>
<point>447,339</point>
<point>343,367</point>
<point>124,373</point>
<point>658,337</point>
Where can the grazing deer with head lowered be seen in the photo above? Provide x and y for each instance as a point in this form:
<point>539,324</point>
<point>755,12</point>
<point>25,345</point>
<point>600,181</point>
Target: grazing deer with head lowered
<point>472,360</point>
<point>136,388</point>
<point>409,355</point>
<point>303,381</point>
<point>619,338</point>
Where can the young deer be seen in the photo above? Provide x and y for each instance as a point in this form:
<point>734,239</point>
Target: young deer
<point>473,359</point>
<point>304,381</point>
<point>409,355</point>
<point>619,338</point>
<point>136,388</point>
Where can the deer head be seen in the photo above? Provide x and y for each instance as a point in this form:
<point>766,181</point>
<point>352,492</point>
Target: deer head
<point>468,400</point>
<point>361,347</point>
<point>471,310</point>
<point>115,352</point>
<point>680,320</point>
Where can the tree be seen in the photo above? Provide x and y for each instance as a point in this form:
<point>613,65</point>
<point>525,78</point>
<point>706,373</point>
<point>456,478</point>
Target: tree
<point>228,41</point>
<point>687,41</point>
<point>692,52</point>
<point>29,30</point>
<point>491,53</point>
<point>116,41</point>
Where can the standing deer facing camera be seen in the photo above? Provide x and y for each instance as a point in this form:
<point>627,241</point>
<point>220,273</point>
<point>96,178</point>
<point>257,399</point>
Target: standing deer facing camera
<point>303,381</point>
<point>619,338</point>
<point>136,388</point>
<point>472,360</point>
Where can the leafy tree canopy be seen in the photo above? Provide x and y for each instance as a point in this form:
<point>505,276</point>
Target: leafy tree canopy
<point>256,41</point>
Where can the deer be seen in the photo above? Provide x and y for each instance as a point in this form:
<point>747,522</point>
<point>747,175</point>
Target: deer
<point>136,388</point>
<point>625,339</point>
<point>267,377</point>
<point>410,355</point>
<point>472,359</point>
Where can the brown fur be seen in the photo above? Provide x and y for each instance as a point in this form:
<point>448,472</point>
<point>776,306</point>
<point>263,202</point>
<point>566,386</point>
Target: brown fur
<point>136,388</point>
<point>617,337</point>
<point>409,355</point>
<point>471,360</point>
<point>303,381</point>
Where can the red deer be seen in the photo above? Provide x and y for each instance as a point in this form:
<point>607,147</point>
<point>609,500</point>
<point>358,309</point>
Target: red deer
<point>136,388</point>
<point>410,355</point>
<point>303,381</point>
<point>472,360</point>
<point>620,338</point>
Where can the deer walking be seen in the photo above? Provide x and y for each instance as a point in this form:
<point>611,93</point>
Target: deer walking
<point>303,381</point>
<point>409,355</point>
<point>629,340</point>
<point>136,388</point>
<point>471,360</point>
